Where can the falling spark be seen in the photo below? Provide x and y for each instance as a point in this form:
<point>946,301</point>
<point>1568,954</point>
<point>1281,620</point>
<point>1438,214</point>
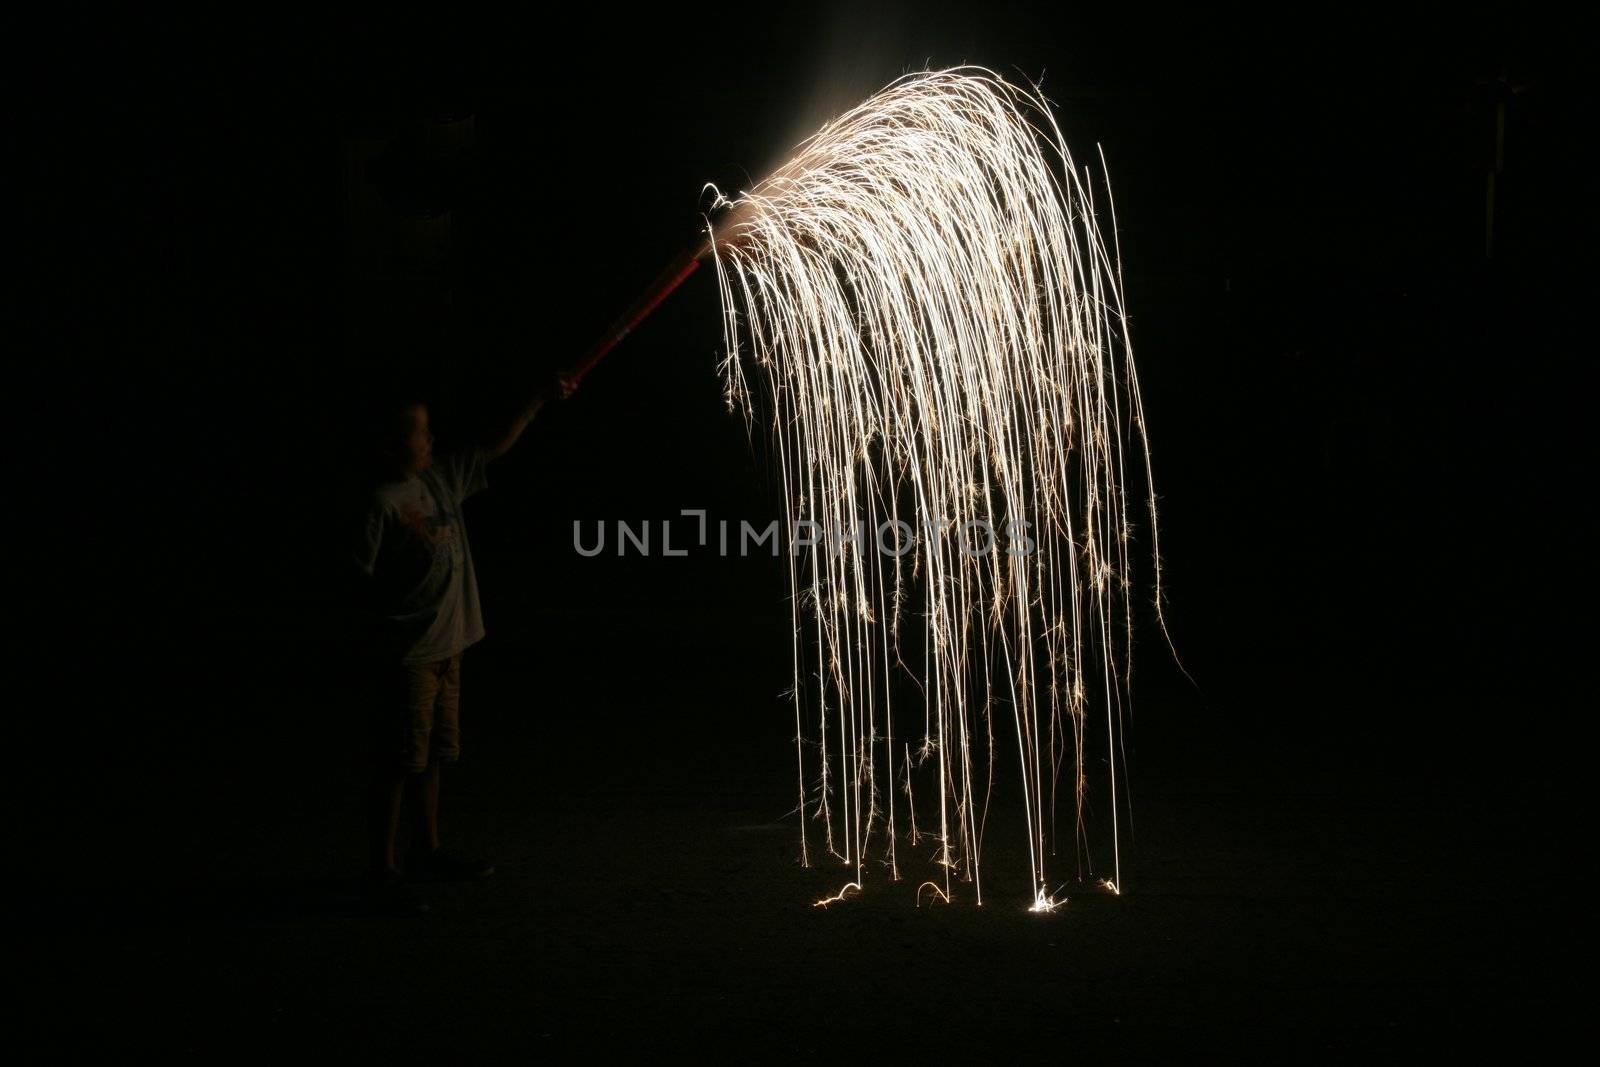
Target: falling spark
<point>840,895</point>
<point>939,321</point>
<point>1043,902</point>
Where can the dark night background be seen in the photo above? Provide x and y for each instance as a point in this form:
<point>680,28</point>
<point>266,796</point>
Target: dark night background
<point>1351,831</point>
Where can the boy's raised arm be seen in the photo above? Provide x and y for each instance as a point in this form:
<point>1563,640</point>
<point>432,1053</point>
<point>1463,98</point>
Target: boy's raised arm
<point>562,387</point>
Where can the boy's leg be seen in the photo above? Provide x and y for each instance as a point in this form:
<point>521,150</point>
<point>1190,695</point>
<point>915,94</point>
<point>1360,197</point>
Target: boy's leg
<point>401,757</point>
<point>425,807</point>
<point>445,748</point>
<point>383,819</point>
<point>385,887</point>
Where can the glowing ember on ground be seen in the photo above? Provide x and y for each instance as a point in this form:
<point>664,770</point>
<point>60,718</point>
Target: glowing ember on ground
<point>927,292</point>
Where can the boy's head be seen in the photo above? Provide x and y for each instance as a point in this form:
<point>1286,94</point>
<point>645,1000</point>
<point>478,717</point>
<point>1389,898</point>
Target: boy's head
<point>404,441</point>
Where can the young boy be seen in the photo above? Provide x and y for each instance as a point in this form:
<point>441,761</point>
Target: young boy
<point>422,596</point>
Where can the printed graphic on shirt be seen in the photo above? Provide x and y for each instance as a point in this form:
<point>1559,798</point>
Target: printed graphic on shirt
<point>434,531</point>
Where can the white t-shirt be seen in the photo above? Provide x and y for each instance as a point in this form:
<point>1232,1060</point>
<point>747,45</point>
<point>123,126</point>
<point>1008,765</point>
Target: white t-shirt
<point>414,548</point>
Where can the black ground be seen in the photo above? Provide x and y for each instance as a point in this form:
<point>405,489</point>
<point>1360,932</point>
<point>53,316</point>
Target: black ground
<point>1353,831</point>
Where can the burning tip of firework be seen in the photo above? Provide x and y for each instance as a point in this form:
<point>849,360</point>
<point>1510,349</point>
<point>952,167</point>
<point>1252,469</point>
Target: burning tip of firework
<point>732,228</point>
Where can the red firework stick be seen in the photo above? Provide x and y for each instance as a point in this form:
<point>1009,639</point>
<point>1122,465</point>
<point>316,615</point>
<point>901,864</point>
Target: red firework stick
<point>676,273</point>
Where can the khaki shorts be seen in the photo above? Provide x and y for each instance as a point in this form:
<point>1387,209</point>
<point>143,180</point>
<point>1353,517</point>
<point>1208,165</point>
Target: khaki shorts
<point>422,720</point>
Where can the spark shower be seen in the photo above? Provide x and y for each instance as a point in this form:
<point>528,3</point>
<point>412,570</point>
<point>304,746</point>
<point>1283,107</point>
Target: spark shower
<point>926,291</point>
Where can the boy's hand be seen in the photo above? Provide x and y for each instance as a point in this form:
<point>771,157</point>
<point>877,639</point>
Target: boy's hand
<point>564,386</point>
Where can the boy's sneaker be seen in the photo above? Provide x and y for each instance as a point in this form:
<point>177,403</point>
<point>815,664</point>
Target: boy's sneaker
<point>446,865</point>
<point>388,894</point>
